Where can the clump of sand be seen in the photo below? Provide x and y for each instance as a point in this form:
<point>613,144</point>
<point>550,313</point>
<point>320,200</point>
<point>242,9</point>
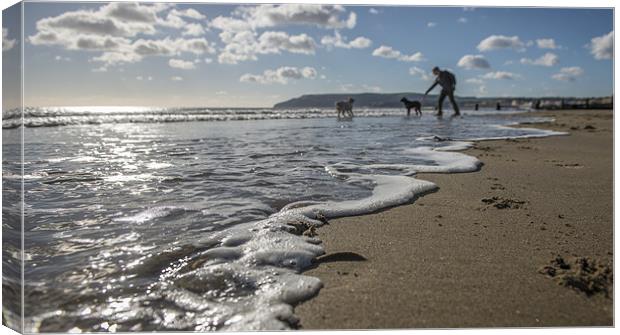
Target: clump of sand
<point>503,203</point>
<point>303,228</point>
<point>582,274</point>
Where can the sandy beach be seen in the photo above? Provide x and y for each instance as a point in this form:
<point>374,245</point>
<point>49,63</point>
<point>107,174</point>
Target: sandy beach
<point>525,242</point>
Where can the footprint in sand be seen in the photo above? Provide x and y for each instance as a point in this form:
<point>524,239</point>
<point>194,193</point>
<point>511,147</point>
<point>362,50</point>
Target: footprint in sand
<point>570,165</point>
<point>581,274</point>
<point>497,186</point>
<point>503,203</point>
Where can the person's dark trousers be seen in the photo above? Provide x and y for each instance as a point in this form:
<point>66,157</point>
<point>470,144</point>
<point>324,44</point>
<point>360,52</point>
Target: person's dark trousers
<point>442,97</point>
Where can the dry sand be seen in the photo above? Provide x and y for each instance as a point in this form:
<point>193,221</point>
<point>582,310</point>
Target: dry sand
<point>458,258</point>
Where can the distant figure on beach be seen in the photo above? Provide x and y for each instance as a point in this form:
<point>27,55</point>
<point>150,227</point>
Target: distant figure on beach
<point>447,81</point>
<point>498,106</point>
<point>345,108</point>
<point>537,106</point>
<point>476,107</point>
<point>416,105</point>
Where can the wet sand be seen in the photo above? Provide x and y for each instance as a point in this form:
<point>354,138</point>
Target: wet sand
<point>525,242</point>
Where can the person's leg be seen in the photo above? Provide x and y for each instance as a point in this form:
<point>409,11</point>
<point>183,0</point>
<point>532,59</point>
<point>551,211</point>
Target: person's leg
<point>455,106</point>
<point>442,97</point>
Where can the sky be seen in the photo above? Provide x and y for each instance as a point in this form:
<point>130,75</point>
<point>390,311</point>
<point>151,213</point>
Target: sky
<point>128,54</point>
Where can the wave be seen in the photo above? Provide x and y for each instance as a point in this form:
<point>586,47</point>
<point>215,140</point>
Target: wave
<point>64,116</point>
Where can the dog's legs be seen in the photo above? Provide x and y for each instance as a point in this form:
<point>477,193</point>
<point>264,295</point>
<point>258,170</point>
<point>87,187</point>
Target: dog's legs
<point>408,111</point>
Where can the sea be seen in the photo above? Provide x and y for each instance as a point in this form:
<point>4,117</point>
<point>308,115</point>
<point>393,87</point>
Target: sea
<point>199,219</point>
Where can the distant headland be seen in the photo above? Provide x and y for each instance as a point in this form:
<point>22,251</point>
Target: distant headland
<point>392,100</point>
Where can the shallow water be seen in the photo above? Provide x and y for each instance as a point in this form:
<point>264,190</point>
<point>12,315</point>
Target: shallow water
<point>197,225</point>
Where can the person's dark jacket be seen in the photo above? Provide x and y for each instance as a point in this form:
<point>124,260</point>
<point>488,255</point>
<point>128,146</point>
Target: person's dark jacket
<point>446,80</point>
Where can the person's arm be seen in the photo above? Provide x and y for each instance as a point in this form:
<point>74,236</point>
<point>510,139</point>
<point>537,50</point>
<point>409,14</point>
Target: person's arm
<point>431,88</point>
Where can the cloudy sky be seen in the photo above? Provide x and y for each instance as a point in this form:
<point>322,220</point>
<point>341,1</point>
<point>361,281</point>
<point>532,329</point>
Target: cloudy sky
<point>229,55</point>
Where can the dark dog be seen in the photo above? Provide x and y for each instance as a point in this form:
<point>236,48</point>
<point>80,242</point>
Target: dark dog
<point>345,108</point>
<point>416,105</point>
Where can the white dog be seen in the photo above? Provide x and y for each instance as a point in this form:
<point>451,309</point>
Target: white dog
<point>345,108</point>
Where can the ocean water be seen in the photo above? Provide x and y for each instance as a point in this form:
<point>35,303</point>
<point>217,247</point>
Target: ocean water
<point>142,219</point>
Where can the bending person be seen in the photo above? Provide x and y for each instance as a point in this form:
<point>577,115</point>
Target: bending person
<point>447,81</point>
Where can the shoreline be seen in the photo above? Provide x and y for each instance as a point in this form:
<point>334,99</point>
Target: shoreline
<point>483,250</point>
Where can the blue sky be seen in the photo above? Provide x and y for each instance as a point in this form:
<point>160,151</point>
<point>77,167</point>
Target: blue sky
<point>223,55</point>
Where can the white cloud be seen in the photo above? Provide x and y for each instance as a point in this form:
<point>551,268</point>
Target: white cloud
<point>193,29</point>
<point>243,41</point>
<point>245,45</point>
<point>339,42</point>
<point>74,40</point>
<point>548,59</point>
<point>360,42</point>
<point>602,47</point>
<point>240,46</point>
<point>473,62</point>
<point>322,16</point>
<point>431,24</point>
<point>114,58</point>
<point>176,78</point>
<point>495,42</point>
<point>114,19</point>
<point>139,78</point>
<point>373,11</point>
<point>462,20</point>
<point>281,75</point>
<point>188,13</point>
<point>388,52</point>
<point>230,24</point>
<point>275,41</point>
<point>418,72</point>
<point>500,75</point>
<point>7,43</point>
<point>172,47</point>
<point>568,73</point>
<point>546,43</point>
<point>477,81</point>
<point>469,9</point>
<point>181,64</point>
<point>119,30</point>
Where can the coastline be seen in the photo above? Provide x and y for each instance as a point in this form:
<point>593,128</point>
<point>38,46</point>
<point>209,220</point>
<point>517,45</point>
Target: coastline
<point>481,251</point>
